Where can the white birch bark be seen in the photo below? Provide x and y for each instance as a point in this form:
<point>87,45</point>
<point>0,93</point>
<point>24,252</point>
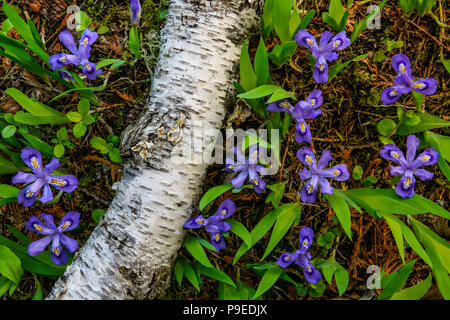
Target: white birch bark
<point>130,253</point>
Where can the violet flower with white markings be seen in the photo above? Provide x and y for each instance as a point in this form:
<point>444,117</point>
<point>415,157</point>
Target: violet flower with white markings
<point>79,56</point>
<point>215,224</point>
<point>317,174</point>
<point>41,178</point>
<point>307,109</point>
<point>410,166</point>
<point>54,235</point>
<point>247,168</point>
<point>323,52</point>
<point>302,257</point>
<point>404,81</point>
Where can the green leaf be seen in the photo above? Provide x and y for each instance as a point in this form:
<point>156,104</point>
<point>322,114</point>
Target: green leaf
<point>385,140</point>
<point>427,122</point>
<point>38,144</point>
<point>415,292</point>
<point>439,252</point>
<point>99,144</point>
<point>258,232</point>
<point>61,134</point>
<point>241,231</point>
<point>38,294</point>
<point>328,269</point>
<point>7,167</point>
<point>259,92</point>
<point>19,235</point>
<point>342,211</point>
<point>385,127</point>
<point>59,150</point>
<point>306,20</point>
<point>5,284</point>
<point>74,116</point>
<point>36,108</point>
<point>25,32</point>
<point>79,129</point>
<point>214,273</point>
<point>397,233</point>
<point>441,246</point>
<point>114,62</point>
<point>9,131</point>
<point>10,265</point>
<point>286,217</point>
<point>248,76</point>
<point>114,155</point>
<point>280,94</point>
<point>341,278</point>
<point>81,90</point>
<point>190,274</point>
<point>336,17</point>
<point>7,191</point>
<point>83,107</point>
<point>397,281</point>
<point>261,64</point>
<point>277,193</point>
<point>446,64</point>
<point>83,21</point>
<point>281,17</point>
<point>97,214</point>
<point>196,250</point>
<point>179,271</point>
<point>268,280</point>
<point>40,264</point>
<point>282,54</point>
<point>386,200</point>
<point>212,194</point>
<point>442,145</point>
<point>32,119</point>
<point>357,172</point>
<point>338,67</point>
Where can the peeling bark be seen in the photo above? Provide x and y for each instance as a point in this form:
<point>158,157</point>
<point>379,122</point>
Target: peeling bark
<point>130,253</point>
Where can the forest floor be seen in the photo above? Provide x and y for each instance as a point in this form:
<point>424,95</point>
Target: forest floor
<point>347,128</point>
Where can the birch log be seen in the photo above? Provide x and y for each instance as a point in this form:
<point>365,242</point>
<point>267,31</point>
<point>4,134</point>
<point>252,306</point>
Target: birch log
<point>130,253</point>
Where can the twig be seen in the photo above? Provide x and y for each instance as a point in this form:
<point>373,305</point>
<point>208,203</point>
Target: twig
<point>426,32</point>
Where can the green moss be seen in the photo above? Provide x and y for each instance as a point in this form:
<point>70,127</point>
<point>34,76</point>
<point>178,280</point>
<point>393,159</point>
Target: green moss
<point>374,97</point>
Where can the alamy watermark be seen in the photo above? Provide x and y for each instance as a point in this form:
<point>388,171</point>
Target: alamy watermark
<point>374,280</point>
<point>375,21</point>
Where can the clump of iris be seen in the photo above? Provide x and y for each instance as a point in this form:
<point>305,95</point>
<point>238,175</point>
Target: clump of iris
<point>79,56</point>
<point>410,166</point>
<point>317,174</point>
<point>41,178</point>
<point>404,81</point>
<point>215,224</point>
<point>324,51</point>
<point>54,235</point>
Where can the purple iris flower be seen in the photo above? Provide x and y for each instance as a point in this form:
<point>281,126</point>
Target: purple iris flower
<point>215,224</point>
<point>410,166</point>
<point>41,178</point>
<point>79,56</point>
<point>54,235</point>
<point>302,257</point>
<point>404,81</point>
<point>317,174</point>
<point>66,76</point>
<point>135,8</point>
<point>323,52</point>
<point>247,168</point>
<point>302,110</point>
